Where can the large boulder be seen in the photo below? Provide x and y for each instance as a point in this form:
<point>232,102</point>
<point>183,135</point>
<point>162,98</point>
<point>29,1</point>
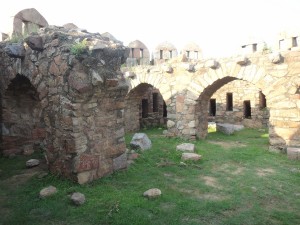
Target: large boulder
<point>140,141</point>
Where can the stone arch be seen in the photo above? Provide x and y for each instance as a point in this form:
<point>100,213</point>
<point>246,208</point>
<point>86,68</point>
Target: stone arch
<point>280,100</point>
<point>23,127</point>
<point>144,107</point>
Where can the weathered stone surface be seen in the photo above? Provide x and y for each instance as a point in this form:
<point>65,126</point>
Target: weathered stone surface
<point>32,163</point>
<point>213,64</point>
<point>168,69</point>
<point>170,124</point>
<point>293,153</point>
<point>275,57</point>
<point>15,50</point>
<point>186,147</point>
<point>130,75</point>
<point>78,198</point>
<point>35,42</point>
<point>190,156</point>
<point>242,60</point>
<point>70,26</point>
<point>152,193</point>
<point>227,128</point>
<point>120,162</point>
<point>48,191</point>
<point>140,141</point>
<point>32,20</point>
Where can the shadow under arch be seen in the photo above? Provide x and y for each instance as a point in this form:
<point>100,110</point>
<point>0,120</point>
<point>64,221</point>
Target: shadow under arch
<point>202,106</point>
<point>144,107</point>
<point>23,127</point>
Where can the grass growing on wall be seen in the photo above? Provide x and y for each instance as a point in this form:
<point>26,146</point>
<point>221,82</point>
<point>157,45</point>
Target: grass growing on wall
<point>236,182</point>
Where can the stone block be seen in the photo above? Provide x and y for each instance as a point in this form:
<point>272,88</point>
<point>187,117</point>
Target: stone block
<point>186,147</point>
<point>293,153</point>
<point>120,162</point>
<point>190,156</point>
<point>228,129</point>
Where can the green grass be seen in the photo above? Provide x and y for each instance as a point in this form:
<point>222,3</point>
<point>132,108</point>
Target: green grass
<point>236,182</point>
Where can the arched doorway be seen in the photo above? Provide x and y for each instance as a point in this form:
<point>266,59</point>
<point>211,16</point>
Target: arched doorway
<point>23,128</point>
<point>239,102</point>
<point>230,100</point>
<point>144,107</point>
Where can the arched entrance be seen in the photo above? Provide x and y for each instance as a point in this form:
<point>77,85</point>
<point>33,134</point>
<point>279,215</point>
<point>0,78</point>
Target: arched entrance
<point>230,100</point>
<point>144,107</point>
<point>23,129</point>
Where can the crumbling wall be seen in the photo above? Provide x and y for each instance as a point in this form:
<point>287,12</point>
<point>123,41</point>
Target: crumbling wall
<point>79,98</point>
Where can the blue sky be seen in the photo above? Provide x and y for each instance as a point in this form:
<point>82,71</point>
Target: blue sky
<point>219,27</point>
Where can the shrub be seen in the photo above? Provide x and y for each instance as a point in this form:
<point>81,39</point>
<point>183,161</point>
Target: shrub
<point>79,48</point>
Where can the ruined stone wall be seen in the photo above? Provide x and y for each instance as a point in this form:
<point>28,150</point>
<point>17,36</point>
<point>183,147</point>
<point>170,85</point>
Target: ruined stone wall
<point>79,99</point>
<point>242,91</point>
<point>188,86</point>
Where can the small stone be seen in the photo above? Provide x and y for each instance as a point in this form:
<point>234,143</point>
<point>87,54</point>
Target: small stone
<point>152,193</point>
<point>48,191</point>
<point>32,163</point>
<point>78,198</point>
<point>293,153</point>
<point>182,164</point>
<point>42,175</point>
<point>190,156</point>
<point>186,147</point>
<point>133,156</point>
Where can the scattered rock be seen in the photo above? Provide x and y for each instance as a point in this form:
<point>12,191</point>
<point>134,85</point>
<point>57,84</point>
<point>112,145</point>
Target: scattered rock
<point>48,191</point>
<point>129,162</point>
<point>78,198</point>
<point>133,156</point>
<point>140,141</point>
<point>190,156</point>
<point>228,129</point>
<point>186,147</point>
<point>275,57</point>
<point>152,193</point>
<point>293,153</point>
<point>15,50</point>
<point>28,150</point>
<point>165,132</point>
<point>120,162</point>
<point>32,163</point>
<point>42,175</point>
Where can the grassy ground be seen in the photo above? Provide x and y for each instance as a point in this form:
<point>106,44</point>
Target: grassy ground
<point>237,182</point>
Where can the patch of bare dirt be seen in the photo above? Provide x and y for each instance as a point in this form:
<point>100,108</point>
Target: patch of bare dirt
<point>212,182</point>
<point>264,172</point>
<point>238,171</point>
<point>228,145</point>
<point>197,194</point>
<point>173,177</point>
<point>167,206</point>
<point>234,169</point>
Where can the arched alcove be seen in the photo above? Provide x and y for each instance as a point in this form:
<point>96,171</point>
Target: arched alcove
<point>23,128</point>
<point>144,107</point>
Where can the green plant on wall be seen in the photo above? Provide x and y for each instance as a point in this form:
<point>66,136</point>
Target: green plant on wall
<point>15,38</point>
<point>266,49</point>
<point>79,47</point>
